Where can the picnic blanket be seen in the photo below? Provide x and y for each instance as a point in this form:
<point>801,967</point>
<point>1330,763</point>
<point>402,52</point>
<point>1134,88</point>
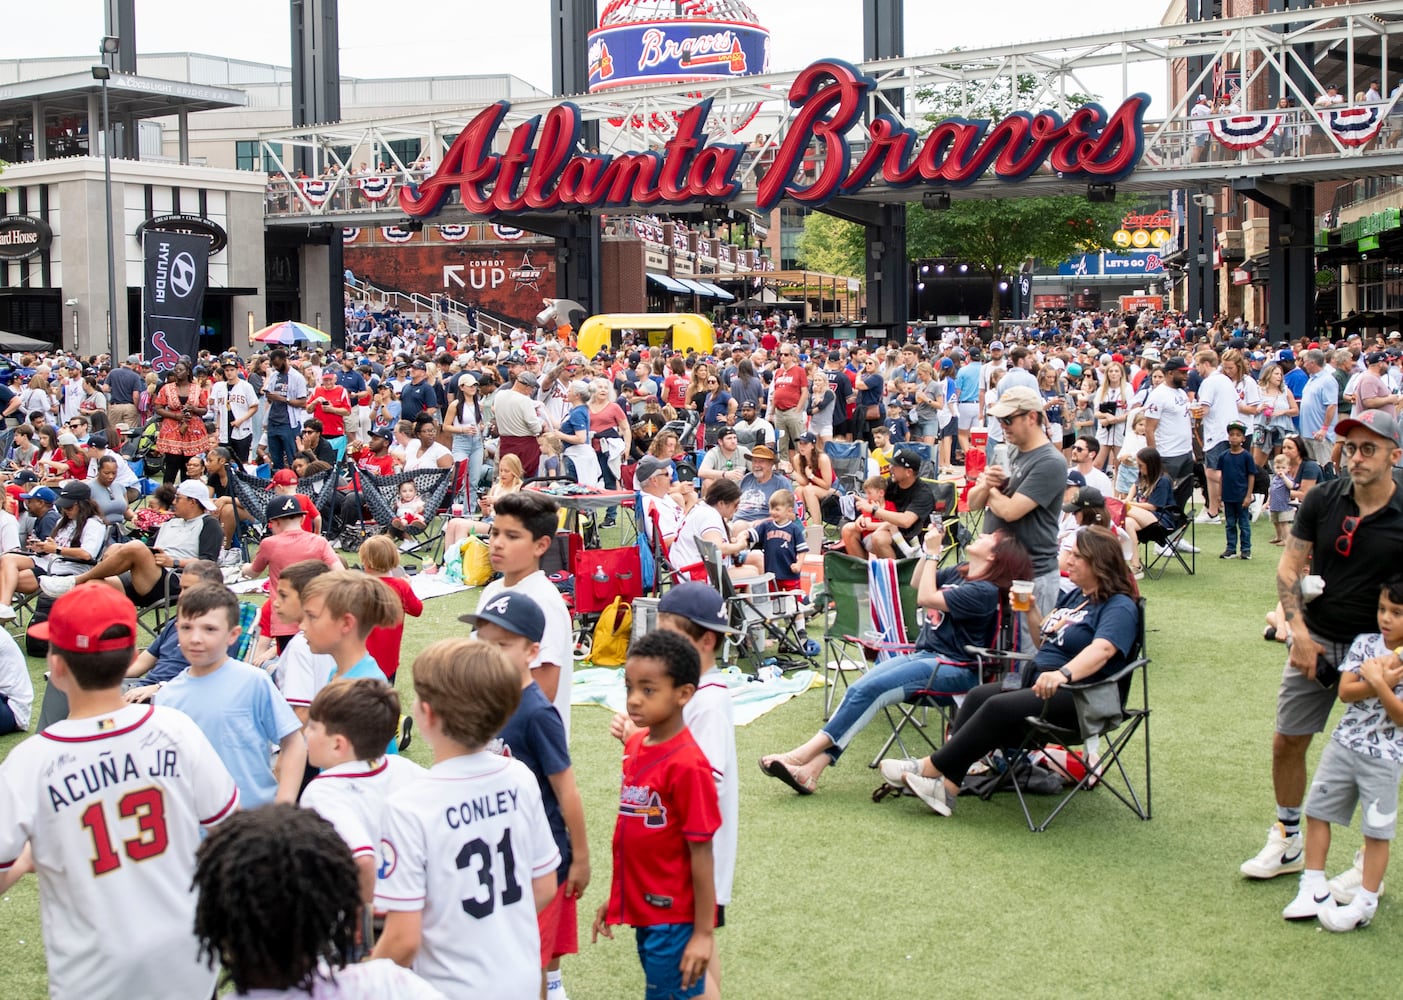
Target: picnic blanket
<point>752,698</point>
<point>426,586</point>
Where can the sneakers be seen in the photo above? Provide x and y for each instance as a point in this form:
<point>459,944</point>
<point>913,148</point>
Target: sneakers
<point>931,791</point>
<point>1246,556</point>
<point>1340,919</point>
<point>1184,546</point>
<point>56,586</point>
<point>1282,855</point>
<point>895,769</point>
<point>1344,885</point>
<point>1206,518</point>
<point>8,613</point>
<point>1308,904</point>
<point>1228,555</point>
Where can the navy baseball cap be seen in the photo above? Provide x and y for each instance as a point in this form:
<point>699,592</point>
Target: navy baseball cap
<point>280,507</point>
<point>515,612</point>
<point>700,604</point>
<point>24,477</point>
<point>1075,478</point>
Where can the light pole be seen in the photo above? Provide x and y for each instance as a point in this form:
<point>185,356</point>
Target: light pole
<point>109,47</point>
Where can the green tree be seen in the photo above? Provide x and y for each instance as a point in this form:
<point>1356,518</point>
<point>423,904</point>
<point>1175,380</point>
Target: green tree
<point>832,245</point>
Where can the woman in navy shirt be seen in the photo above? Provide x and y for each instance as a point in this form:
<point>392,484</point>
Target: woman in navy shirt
<point>964,601</point>
<point>1087,637</point>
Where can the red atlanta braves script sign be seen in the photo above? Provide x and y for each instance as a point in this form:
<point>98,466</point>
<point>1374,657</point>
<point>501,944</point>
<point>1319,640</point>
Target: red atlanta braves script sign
<point>542,169</point>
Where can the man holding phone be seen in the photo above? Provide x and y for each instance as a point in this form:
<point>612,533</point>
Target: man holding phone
<point>1349,532</point>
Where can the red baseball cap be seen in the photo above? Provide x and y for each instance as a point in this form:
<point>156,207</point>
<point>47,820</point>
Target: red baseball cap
<point>284,477</point>
<point>79,618</point>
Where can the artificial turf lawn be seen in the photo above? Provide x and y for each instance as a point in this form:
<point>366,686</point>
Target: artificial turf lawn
<point>838,897</point>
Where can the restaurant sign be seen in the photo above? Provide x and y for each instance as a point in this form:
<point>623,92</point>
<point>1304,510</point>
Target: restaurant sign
<point>23,237</point>
<point>540,168</point>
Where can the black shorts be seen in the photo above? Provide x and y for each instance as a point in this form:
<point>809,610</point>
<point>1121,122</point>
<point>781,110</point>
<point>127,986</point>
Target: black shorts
<point>156,594</point>
<point>841,428</point>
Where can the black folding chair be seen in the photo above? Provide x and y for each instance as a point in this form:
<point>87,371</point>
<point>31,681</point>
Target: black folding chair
<point>1172,543</point>
<point>381,494</point>
<point>1108,711</point>
<point>253,495</point>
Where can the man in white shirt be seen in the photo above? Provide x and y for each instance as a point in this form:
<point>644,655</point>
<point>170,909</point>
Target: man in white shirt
<point>1217,401</point>
<point>234,403</point>
<point>1082,458</point>
<point>1167,427</point>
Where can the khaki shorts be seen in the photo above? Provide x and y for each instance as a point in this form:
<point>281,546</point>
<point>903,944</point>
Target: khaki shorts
<point>789,424</point>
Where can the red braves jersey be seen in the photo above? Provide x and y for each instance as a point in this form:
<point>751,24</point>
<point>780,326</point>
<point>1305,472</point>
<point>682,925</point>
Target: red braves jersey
<point>668,801</point>
<point>113,808</point>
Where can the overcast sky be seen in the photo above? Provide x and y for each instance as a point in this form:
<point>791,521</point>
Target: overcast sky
<point>381,38</point>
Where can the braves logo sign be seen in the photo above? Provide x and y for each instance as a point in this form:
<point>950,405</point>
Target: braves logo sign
<point>540,169</point>
<point>166,356</point>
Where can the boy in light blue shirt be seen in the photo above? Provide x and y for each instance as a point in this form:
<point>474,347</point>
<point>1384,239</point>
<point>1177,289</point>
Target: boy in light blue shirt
<point>236,705</point>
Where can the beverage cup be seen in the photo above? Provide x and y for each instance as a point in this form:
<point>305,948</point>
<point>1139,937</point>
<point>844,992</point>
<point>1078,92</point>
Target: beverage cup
<point>457,509</point>
<point>1020,595</point>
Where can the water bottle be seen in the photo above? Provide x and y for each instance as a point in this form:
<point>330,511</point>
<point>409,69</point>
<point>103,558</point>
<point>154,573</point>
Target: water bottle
<point>599,576</point>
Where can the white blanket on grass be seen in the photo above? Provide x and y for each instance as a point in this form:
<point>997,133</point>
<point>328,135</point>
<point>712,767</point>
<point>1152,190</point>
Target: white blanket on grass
<point>752,698</point>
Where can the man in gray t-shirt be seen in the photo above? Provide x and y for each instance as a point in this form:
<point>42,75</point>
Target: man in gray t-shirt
<point>1027,500</point>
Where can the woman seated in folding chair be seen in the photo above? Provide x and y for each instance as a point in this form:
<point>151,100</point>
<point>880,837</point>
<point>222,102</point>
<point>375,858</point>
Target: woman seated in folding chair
<point>72,546</point>
<point>814,479</point>
<point>510,476</point>
<point>966,600</point>
<point>1087,637</point>
<point>1152,502</point>
<point>709,521</point>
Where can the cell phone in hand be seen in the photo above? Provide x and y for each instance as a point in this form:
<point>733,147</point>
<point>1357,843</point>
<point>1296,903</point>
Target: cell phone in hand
<point>1326,673</point>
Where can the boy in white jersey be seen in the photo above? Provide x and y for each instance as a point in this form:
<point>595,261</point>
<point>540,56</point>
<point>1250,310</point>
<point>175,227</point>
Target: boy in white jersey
<point>467,853</point>
<point>349,723</point>
<point>523,528</point>
<point>696,611</point>
<point>111,801</point>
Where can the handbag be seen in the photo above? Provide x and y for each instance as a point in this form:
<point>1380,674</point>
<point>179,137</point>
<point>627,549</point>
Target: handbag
<point>873,412</point>
<point>477,563</point>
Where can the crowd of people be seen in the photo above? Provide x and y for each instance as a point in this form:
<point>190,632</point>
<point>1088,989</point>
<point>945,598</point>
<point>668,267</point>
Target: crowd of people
<point>1075,435</point>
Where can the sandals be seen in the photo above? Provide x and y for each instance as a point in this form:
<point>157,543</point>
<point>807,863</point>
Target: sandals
<point>777,768</point>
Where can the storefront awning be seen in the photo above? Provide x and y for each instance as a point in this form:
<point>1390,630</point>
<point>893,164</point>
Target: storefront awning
<point>697,288</point>
<point>668,284</point>
<point>717,291</point>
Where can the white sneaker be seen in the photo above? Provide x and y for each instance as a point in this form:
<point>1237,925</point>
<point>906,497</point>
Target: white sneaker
<point>1184,546</point>
<point>895,769</point>
<point>1308,904</point>
<point>8,613</point>
<point>931,791</point>
<point>56,586</point>
<point>1282,855</point>
<point>1206,518</point>
<point>1340,919</point>
<point>1344,885</point>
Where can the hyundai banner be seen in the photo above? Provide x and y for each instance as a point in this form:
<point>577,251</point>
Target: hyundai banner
<point>173,296</point>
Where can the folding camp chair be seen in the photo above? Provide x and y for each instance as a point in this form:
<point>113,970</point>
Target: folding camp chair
<point>852,637</point>
<point>929,471</point>
<point>381,494</point>
<point>253,494</point>
<point>913,711</point>
<point>849,460</point>
<point>26,605</point>
<point>1109,712</point>
<point>654,551</point>
<point>1171,543</point>
<point>762,617</point>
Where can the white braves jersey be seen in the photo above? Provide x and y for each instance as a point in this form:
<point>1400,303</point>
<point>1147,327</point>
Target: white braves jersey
<point>376,980</point>
<point>301,673</point>
<point>351,797</point>
<point>711,717</point>
<point>463,845</point>
<point>113,808</point>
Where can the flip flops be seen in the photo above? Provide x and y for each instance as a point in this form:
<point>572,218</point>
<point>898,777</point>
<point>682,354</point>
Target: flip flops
<point>776,768</point>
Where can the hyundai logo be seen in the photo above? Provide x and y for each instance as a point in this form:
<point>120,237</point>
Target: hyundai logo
<point>182,275</point>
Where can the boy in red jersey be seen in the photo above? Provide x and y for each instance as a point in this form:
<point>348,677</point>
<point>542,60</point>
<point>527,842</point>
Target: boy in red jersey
<point>668,813</point>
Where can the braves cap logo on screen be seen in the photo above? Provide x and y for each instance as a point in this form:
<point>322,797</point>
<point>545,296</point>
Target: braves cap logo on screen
<point>182,275</point>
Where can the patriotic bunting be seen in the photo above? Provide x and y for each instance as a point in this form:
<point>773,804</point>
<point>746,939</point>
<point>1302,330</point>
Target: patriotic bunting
<point>376,188</point>
<point>1244,131</point>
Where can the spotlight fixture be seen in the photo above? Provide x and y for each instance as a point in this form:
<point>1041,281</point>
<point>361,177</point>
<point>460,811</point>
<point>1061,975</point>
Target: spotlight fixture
<point>936,201</point>
<point>1101,194</point>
